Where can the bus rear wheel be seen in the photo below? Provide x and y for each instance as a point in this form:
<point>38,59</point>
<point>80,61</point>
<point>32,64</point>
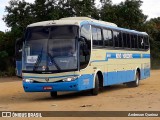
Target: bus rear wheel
<point>95,90</point>
<point>136,82</point>
<point>53,94</point>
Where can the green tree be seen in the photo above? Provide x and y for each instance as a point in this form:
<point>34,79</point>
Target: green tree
<point>152,27</point>
<point>127,14</point>
<point>19,15</point>
<point>79,8</point>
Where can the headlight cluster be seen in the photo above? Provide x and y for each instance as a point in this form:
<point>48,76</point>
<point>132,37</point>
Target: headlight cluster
<point>28,80</point>
<point>69,79</point>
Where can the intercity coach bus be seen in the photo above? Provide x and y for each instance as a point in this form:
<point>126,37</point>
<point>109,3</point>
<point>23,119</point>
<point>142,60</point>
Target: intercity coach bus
<point>80,53</point>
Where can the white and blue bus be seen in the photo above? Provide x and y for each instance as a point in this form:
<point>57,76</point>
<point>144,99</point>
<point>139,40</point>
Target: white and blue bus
<point>80,53</point>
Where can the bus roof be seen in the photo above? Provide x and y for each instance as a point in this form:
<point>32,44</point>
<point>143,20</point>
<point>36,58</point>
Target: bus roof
<point>70,21</point>
<point>83,20</point>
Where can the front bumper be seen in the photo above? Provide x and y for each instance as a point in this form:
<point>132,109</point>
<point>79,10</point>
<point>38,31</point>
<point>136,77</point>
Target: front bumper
<point>84,82</point>
<point>56,86</point>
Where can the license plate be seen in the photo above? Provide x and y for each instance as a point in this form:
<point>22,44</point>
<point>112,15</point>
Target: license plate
<point>47,88</point>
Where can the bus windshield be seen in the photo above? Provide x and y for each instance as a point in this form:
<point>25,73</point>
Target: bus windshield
<point>50,49</point>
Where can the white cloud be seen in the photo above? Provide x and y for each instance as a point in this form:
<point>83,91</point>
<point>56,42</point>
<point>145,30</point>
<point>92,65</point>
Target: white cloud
<point>151,8</point>
<point>4,3</point>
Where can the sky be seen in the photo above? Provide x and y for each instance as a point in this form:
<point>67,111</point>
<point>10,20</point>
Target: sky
<point>149,7</point>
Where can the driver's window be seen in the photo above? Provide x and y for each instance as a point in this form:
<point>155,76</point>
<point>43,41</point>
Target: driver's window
<point>85,46</point>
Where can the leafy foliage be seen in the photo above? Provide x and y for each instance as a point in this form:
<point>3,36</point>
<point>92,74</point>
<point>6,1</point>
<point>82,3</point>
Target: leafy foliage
<point>127,14</point>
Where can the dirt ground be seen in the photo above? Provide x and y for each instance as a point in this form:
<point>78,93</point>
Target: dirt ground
<point>146,97</point>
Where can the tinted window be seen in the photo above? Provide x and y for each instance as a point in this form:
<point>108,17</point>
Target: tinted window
<point>140,42</point>
<point>146,42</point>
<point>85,46</point>
<point>94,36</point>
<point>117,39</point>
<point>85,32</point>
<point>128,41</point>
<point>37,33</point>
<point>132,41</point>
<point>120,40</point>
<point>108,40</point>
<point>136,41</point>
<point>124,40</point>
<point>97,36</point>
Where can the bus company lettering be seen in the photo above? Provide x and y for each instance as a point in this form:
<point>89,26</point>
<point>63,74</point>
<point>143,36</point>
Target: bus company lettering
<point>118,55</point>
<point>124,55</point>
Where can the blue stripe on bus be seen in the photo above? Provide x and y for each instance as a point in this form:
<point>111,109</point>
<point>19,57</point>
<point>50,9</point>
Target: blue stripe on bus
<point>125,56</point>
<point>136,55</point>
<point>86,81</point>
<point>146,55</point>
<point>114,56</point>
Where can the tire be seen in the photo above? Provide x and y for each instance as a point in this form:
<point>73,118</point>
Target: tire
<point>134,83</point>
<point>95,90</point>
<point>53,94</point>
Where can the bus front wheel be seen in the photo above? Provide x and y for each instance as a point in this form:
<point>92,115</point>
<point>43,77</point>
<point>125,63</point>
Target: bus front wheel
<point>53,94</point>
<point>95,90</point>
<point>134,83</point>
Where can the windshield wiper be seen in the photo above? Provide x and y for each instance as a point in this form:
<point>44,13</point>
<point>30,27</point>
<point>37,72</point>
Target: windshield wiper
<point>52,60</point>
<point>38,61</point>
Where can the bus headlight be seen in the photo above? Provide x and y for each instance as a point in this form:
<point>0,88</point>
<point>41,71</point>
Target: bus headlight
<point>69,79</point>
<point>28,80</point>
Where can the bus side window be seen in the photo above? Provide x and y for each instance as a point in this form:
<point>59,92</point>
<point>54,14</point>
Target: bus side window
<point>97,36</point>
<point>136,41</point>
<point>120,39</point>
<point>124,40</point>
<point>140,42</point>
<point>132,42</point>
<point>85,46</point>
<point>146,42</point>
<point>94,36</point>
<point>116,38</point>
<point>108,39</point>
<point>128,41</point>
